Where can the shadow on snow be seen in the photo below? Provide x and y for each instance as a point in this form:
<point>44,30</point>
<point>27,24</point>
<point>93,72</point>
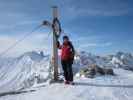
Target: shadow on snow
<point>14,92</point>
<point>103,85</point>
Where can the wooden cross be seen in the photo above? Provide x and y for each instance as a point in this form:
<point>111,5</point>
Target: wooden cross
<point>56,27</point>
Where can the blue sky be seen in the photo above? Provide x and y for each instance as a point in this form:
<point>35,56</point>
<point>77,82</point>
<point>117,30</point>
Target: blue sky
<point>97,26</point>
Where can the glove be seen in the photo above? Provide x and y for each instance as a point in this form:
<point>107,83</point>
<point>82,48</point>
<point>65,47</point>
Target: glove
<point>58,44</point>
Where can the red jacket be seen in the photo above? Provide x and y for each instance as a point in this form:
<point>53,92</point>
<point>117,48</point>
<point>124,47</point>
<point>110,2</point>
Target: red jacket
<point>67,51</point>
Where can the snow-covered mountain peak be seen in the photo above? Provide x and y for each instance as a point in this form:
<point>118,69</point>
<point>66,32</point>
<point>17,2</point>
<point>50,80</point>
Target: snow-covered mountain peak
<point>33,67</point>
<point>35,56</point>
<point>124,60</point>
<point>119,59</point>
<point>24,71</point>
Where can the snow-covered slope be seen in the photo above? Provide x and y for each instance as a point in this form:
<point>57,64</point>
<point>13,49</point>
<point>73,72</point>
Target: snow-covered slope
<point>32,68</point>
<point>118,87</point>
<point>23,72</point>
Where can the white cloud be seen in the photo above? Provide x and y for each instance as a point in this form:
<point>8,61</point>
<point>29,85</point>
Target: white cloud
<point>96,45</point>
<point>98,8</point>
<point>97,12</point>
<point>34,42</point>
<point>87,38</point>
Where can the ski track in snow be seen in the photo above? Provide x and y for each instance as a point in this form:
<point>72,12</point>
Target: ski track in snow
<point>119,87</point>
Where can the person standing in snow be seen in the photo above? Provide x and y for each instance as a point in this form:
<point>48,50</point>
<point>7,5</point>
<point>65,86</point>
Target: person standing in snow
<point>67,57</point>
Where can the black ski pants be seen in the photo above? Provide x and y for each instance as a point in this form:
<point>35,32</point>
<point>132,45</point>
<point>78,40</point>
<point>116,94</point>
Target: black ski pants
<point>67,68</point>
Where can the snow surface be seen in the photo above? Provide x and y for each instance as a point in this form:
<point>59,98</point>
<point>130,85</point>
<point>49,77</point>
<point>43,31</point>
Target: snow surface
<point>118,87</point>
<point>19,76</point>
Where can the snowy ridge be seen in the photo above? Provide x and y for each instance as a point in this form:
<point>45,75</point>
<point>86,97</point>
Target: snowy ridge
<point>32,68</point>
<point>124,60</point>
<point>120,59</point>
<point>24,71</point>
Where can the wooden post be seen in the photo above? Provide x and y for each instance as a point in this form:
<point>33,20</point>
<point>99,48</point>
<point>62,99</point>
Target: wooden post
<point>56,27</point>
<point>55,49</point>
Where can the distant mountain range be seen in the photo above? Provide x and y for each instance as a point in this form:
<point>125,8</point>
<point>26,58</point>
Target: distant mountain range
<point>33,67</point>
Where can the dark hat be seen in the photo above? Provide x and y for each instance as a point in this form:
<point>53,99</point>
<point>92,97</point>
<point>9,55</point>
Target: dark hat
<point>65,37</point>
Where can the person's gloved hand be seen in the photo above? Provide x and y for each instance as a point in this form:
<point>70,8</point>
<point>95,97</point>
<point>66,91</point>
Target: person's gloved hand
<point>58,44</point>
